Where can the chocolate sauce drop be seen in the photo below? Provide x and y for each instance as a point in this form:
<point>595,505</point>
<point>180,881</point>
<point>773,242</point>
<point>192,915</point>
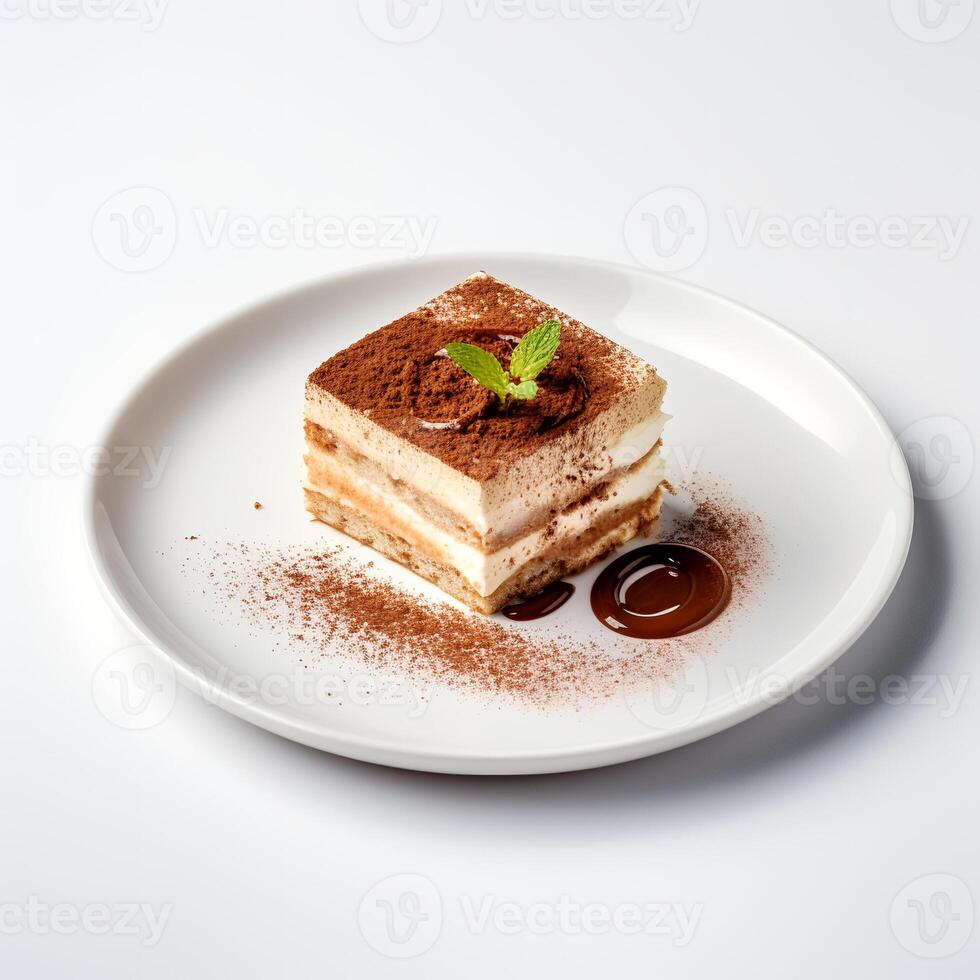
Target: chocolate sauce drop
<point>543,604</point>
<point>660,591</point>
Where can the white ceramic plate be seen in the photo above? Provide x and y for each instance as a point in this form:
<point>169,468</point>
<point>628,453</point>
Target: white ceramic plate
<point>767,414</point>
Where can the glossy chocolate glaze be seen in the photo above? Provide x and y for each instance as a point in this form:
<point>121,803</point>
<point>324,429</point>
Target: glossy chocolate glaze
<point>660,591</point>
<point>543,604</point>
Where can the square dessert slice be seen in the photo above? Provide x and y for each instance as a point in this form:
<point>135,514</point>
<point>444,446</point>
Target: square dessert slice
<point>490,501</point>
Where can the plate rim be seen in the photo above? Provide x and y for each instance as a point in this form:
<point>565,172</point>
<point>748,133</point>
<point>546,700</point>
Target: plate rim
<point>447,759</point>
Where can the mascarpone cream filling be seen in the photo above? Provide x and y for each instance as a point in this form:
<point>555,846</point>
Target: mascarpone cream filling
<point>457,493</point>
<point>484,572</point>
<point>638,441</point>
<point>634,444</point>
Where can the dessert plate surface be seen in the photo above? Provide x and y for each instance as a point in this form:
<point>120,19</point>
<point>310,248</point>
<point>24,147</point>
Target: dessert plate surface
<point>755,409</point>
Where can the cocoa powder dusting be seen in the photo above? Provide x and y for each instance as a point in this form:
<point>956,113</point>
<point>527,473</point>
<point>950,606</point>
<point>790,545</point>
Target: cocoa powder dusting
<point>330,601</point>
<point>399,375</point>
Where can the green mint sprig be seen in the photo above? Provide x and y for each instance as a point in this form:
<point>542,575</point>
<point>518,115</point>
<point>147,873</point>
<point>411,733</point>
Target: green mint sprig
<point>530,357</point>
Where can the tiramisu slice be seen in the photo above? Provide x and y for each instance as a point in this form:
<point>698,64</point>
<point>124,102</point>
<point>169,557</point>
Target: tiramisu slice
<point>490,481</point>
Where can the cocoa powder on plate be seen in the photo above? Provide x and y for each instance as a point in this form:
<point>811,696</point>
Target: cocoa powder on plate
<point>330,601</point>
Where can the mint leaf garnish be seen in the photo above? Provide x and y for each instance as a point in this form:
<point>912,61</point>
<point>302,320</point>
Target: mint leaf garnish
<point>531,356</point>
<point>536,350</point>
<point>525,390</point>
<point>482,365</point>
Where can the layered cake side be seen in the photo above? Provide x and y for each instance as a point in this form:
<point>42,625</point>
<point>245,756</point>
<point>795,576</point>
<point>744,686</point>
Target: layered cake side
<point>489,496</point>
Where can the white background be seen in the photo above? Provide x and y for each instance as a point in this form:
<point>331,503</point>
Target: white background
<point>791,835</point>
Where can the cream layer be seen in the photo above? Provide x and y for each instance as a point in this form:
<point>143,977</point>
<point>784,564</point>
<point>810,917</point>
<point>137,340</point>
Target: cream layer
<point>484,571</point>
<point>500,507</point>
